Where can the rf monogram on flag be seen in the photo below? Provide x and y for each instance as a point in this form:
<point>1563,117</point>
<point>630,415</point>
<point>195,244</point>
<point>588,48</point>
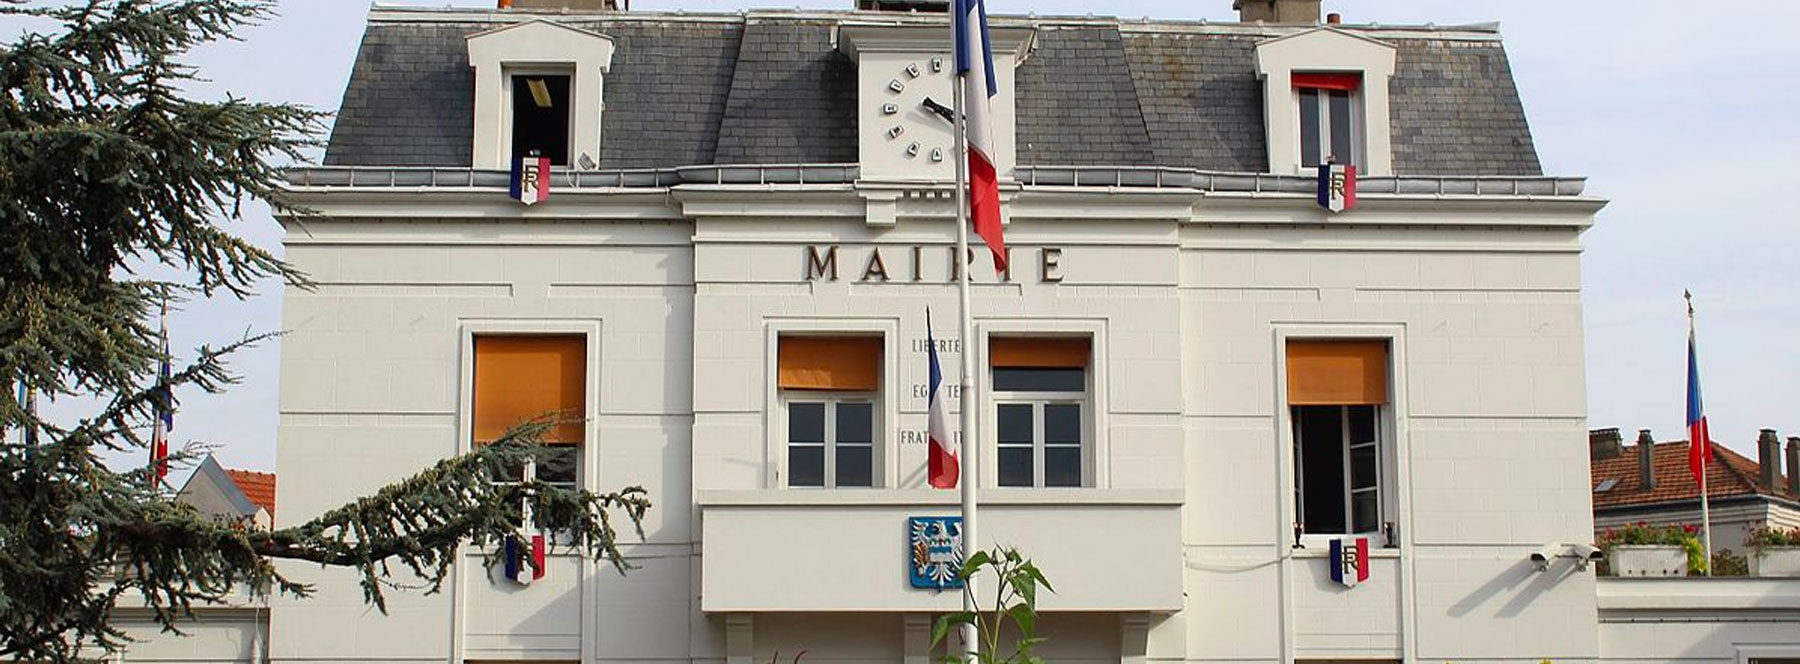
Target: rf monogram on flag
<point>1337,186</point>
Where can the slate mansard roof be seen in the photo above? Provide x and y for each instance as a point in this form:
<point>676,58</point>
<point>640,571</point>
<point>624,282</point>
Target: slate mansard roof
<point>771,88</point>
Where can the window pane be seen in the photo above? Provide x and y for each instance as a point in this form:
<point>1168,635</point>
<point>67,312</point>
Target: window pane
<point>1062,424</point>
<point>1309,127</point>
<point>806,465</point>
<point>1320,432</point>
<point>1340,127</point>
<point>1062,466</point>
<point>541,117</point>
<point>1362,424</point>
<point>559,464</point>
<point>1366,505</point>
<point>1014,424</point>
<point>806,422</point>
<point>1040,380</point>
<point>855,422</point>
<point>855,465</point>
<point>1363,467</point>
<point>1015,466</point>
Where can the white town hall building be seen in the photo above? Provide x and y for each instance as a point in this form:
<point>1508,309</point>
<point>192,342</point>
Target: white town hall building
<point>1199,377</point>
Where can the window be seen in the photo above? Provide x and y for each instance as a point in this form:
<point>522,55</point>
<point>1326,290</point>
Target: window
<point>540,117</point>
<point>1337,392</point>
<point>1329,117</point>
<point>829,387</point>
<point>1040,391</point>
<point>521,377</point>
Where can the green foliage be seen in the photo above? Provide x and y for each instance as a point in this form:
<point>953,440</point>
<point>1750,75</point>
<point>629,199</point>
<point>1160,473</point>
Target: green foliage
<point>106,173</point>
<point>1765,536</point>
<point>1725,562</point>
<point>1016,583</point>
<point>1641,533</point>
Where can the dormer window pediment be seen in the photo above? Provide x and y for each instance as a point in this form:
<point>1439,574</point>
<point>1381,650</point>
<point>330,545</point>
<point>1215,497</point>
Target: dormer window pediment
<point>1325,95</point>
<point>539,86</point>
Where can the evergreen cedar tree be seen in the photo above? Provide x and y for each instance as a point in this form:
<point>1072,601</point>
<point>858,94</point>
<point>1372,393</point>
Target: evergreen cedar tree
<point>106,169</point>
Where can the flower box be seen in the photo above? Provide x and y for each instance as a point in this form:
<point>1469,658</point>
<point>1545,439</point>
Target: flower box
<point>1775,561</point>
<point>1647,560</point>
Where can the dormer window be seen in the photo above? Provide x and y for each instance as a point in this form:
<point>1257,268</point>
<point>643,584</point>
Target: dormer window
<point>538,86</point>
<point>1330,118</point>
<point>540,117</point>
<point>1326,96</point>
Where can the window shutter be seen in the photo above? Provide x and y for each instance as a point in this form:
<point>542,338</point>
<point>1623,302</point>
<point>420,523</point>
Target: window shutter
<point>519,377</point>
<point>1350,82</point>
<point>1337,372</point>
<point>841,364</point>
<point>1038,352</point>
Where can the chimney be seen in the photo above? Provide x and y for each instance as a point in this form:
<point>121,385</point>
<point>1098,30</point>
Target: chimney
<point>1605,444</point>
<point>1646,446</point>
<point>1793,455</point>
<point>1768,460</point>
<point>1277,11</point>
<point>563,5</point>
<point>1334,18</point>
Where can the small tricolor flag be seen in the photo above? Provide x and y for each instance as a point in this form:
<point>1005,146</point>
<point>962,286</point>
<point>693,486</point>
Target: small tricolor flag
<point>942,462</point>
<point>525,558</point>
<point>1350,561</point>
<point>1699,439</point>
<point>975,63</point>
<point>163,402</point>
<point>1337,186</point>
<point>531,179</point>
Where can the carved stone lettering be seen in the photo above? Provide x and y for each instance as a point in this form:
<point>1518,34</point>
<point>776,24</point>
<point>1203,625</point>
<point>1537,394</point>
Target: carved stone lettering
<point>817,266</point>
<point>1050,265</point>
<point>876,269</point>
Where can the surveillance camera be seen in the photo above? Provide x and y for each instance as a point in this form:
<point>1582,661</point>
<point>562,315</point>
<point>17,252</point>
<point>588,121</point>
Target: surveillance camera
<point>1543,555</point>
<point>1585,554</point>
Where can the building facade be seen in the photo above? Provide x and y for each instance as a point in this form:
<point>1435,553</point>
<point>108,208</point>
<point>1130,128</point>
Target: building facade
<point>1194,378</point>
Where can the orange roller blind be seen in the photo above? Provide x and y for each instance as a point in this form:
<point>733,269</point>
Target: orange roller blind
<point>848,364</point>
<point>519,377</point>
<point>1337,372</point>
<point>1038,352</point>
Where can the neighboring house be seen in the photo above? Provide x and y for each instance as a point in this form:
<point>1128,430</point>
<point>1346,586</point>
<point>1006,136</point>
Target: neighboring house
<point>1651,482</point>
<point>1196,381</point>
<point>234,496</point>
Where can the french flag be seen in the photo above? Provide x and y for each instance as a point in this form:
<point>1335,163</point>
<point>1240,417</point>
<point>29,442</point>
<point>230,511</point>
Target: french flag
<point>1699,439</point>
<point>975,63</point>
<point>525,558</point>
<point>531,180</point>
<point>1350,561</point>
<point>943,465</point>
<point>1337,186</point>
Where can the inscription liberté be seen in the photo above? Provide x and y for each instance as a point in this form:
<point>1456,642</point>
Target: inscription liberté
<point>903,263</point>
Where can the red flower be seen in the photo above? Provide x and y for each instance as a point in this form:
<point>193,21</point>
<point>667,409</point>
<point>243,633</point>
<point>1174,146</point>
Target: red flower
<point>1688,527</point>
<point>1643,523</point>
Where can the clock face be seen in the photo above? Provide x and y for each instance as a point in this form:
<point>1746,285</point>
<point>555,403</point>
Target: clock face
<point>915,111</point>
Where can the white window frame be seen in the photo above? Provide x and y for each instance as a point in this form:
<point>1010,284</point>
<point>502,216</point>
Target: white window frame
<point>511,72</point>
<point>586,473</point>
<point>831,400</point>
<point>886,403</point>
<point>1357,128</point>
<point>528,46</point>
<point>1347,447</point>
<point>1393,428</point>
<point>1096,448</point>
<point>1037,401</point>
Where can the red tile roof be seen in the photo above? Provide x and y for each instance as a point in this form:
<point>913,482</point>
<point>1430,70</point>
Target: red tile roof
<point>1730,474</point>
<point>258,487</point>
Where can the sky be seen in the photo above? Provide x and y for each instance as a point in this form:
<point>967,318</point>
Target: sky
<point>1669,108</point>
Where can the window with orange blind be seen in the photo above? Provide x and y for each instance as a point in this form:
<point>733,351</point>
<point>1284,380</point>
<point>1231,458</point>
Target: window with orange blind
<point>520,377</point>
<point>829,387</point>
<point>1040,389</point>
<point>1337,389</point>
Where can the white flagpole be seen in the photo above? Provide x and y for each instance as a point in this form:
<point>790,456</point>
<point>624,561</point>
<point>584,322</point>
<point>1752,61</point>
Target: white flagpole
<point>970,473</point>
<point>1705,445</point>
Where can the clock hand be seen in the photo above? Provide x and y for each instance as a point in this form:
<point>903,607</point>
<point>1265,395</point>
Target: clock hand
<point>940,109</point>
